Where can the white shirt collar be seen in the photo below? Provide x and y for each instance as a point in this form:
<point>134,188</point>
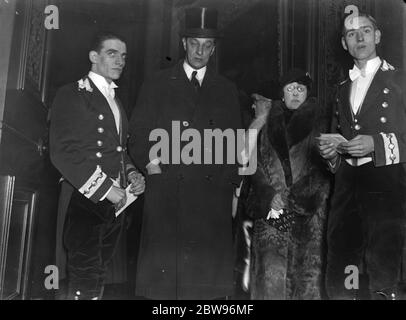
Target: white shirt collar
<point>102,84</point>
<point>370,68</point>
<point>189,70</point>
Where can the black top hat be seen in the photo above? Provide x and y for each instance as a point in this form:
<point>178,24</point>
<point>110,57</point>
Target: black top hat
<point>200,23</point>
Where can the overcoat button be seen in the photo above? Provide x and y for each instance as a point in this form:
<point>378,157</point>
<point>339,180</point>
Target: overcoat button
<point>100,130</point>
<point>355,120</point>
<point>99,154</point>
<point>99,143</point>
<point>383,119</point>
<point>101,117</point>
<point>391,146</point>
<point>357,127</point>
<point>185,124</point>
<point>119,148</point>
<point>385,104</point>
<point>392,157</point>
<point>386,91</point>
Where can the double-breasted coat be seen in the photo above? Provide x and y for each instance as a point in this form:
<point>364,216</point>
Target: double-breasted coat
<point>85,147</point>
<point>186,241</point>
<point>383,112</point>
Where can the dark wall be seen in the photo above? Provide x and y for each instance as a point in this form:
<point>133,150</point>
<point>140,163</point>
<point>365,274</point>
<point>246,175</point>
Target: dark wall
<point>390,15</point>
<point>249,50</point>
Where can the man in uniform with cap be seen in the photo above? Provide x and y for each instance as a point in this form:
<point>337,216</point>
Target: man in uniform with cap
<point>88,135</point>
<point>186,241</point>
<point>367,222</point>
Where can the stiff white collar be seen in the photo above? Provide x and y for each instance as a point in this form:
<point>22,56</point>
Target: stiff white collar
<point>102,84</point>
<point>189,70</point>
<point>371,66</point>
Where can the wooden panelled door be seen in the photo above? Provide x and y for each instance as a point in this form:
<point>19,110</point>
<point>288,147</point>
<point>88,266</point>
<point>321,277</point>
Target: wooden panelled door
<point>28,183</point>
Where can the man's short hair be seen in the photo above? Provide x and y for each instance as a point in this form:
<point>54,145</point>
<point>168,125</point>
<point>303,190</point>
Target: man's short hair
<point>99,38</point>
<point>360,14</point>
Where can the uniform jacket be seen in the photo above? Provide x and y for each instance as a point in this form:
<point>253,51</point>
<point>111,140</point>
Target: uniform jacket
<point>85,146</point>
<point>287,265</point>
<point>84,143</point>
<point>382,115</point>
<point>186,241</point>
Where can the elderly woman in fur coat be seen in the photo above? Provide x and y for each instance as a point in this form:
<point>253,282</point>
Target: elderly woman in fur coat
<point>288,195</point>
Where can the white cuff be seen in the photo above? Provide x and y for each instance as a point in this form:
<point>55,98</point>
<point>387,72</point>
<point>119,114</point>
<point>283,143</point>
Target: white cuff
<point>391,146</point>
<point>155,162</point>
<point>93,183</point>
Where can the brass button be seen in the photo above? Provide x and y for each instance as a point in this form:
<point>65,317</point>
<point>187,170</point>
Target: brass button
<point>119,148</point>
<point>99,154</point>
<point>185,124</point>
<point>357,127</point>
<point>99,143</point>
<point>383,119</point>
<point>385,104</point>
<point>386,91</point>
<point>100,130</point>
<point>101,117</point>
<point>355,120</point>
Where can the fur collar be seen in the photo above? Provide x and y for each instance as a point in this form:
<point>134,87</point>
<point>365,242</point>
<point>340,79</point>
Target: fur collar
<point>299,127</point>
<point>283,136</point>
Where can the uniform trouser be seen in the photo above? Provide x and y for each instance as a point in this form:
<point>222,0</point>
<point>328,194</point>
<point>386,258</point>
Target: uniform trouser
<point>91,234</point>
<point>365,227</point>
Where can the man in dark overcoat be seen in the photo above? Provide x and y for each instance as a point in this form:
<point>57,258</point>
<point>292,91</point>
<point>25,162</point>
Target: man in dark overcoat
<point>88,136</point>
<point>367,219</point>
<point>186,241</point>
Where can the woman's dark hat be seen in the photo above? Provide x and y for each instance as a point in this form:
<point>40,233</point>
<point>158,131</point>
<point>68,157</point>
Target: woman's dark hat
<point>296,75</point>
<point>200,23</point>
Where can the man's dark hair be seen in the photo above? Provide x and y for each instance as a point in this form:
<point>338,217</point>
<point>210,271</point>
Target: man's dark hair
<point>360,14</point>
<point>97,43</point>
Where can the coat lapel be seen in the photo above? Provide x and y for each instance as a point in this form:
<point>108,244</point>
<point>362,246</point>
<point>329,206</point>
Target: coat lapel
<point>123,121</point>
<point>277,132</point>
<point>372,93</point>
<point>301,122</point>
<point>210,79</point>
<point>182,88</point>
<point>345,98</point>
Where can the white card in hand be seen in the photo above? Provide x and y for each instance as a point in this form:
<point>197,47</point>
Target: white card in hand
<point>335,138</point>
<point>130,199</point>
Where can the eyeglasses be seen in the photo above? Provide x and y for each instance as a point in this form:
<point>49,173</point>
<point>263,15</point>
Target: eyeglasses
<point>292,87</point>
